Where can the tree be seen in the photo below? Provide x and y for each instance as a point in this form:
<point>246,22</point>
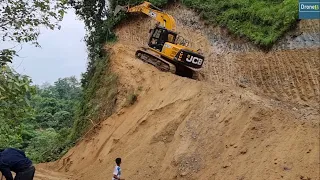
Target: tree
<point>42,144</point>
<point>15,93</point>
<point>67,88</point>
<point>20,21</point>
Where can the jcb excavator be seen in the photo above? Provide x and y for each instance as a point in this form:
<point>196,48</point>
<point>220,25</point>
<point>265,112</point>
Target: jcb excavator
<point>167,51</point>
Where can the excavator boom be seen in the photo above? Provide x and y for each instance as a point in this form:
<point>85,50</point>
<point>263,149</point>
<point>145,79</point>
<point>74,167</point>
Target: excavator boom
<point>155,13</point>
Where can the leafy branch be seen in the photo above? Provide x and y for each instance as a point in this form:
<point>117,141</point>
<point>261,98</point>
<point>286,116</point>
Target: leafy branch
<point>20,21</point>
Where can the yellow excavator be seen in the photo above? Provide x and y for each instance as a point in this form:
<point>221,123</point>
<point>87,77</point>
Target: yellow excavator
<point>167,50</point>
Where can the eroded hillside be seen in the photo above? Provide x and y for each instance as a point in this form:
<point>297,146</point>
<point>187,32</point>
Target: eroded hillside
<point>253,115</point>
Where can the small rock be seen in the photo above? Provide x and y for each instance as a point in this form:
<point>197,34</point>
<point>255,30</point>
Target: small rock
<point>242,85</point>
<point>120,112</point>
<point>286,168</point>
<point>304,178</point>
<point>244,151</point>
<point>226,166</point>
<point>183,173</point>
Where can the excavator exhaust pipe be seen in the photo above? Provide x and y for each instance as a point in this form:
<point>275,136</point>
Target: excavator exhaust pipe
<point>119,8</point>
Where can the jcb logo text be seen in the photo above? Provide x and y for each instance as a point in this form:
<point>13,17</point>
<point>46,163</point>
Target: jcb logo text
<point>194,60</point>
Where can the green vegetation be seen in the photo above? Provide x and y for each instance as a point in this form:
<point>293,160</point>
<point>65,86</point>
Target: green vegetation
<point>98,82</point>
<point>15,93</point>
<point>46,121</point>
<point>54,112</point>
<point>262,21</point>
<point>33,119</point>
<point>36,119</point>
<point>131,98</point>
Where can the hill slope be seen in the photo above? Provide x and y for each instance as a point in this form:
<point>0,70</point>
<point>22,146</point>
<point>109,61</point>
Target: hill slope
<point>209,129</point>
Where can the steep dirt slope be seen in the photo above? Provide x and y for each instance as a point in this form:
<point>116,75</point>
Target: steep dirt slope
<point>186,129</point>
<point>253,115</point>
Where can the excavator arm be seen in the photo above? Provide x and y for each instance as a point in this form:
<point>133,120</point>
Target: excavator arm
<point>157,14</point>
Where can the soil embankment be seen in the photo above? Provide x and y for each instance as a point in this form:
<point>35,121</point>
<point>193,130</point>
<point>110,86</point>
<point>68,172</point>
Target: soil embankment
<point>253,115</point>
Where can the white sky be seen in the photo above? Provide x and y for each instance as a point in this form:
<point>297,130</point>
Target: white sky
<point>62,54</point>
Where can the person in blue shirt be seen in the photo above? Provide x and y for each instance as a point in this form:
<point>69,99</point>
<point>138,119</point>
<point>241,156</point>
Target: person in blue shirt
<point>15,160</point>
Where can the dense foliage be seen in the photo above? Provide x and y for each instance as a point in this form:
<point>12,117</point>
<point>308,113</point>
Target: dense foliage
<point>55,107</point>
<point>15,93</point>
<point>98,82</point>
<point>36,119</point>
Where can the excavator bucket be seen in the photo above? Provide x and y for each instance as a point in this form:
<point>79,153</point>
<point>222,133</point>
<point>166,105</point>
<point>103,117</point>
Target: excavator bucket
<point>118,9</point>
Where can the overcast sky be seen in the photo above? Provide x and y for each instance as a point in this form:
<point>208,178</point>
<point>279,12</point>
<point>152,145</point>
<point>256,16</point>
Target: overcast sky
<point>62,53</point>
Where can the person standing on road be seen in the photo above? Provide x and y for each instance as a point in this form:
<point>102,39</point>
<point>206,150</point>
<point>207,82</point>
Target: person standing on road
<point>117,170</point>
<point>15,160</point>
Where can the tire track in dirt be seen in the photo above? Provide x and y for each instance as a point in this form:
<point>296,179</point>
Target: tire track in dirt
<point>285,75</point>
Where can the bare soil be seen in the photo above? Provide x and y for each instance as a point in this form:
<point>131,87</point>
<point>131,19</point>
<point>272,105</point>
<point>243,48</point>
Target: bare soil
<point>253,115</point>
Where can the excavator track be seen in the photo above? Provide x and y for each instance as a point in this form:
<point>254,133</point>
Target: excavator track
<point>155,60</point>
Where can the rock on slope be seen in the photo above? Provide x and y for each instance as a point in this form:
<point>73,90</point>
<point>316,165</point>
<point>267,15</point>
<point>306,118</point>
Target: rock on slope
<point>210,129</point>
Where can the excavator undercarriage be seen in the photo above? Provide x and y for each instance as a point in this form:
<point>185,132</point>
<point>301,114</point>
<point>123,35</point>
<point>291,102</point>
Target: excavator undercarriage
<point>154,59</point>
<point>163,64</point>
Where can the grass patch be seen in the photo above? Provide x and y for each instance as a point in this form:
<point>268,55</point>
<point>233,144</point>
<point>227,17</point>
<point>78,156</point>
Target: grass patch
<point>131,98</point>
<point>261,21</point>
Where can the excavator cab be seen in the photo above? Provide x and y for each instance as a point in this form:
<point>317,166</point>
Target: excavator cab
<point>159,36</point>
